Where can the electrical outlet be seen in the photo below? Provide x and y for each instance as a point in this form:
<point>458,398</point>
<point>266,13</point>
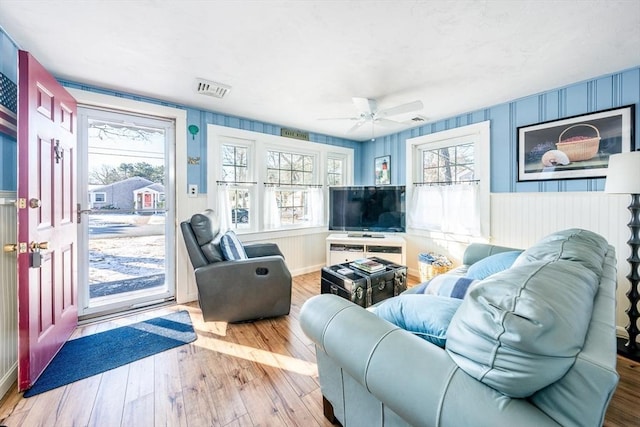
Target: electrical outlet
<point>193,190</point>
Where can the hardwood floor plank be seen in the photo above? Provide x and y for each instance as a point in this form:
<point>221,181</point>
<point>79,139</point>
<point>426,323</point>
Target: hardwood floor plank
<point>169,402</point>
<point>74,409</point>
<point>109,403</point>
<point>234,375</point>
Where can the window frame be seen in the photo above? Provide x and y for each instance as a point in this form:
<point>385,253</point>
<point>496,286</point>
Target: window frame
<point>260,145</point>
<point>479,134</point>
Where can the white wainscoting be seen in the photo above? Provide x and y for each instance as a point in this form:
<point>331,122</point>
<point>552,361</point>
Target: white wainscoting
<point>521,219</point>
<point>8,295</point>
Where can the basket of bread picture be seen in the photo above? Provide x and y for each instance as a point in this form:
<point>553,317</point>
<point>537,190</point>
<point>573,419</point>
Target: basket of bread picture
<point>580,147</point>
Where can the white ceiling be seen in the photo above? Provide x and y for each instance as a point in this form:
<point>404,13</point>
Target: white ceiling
<point>291,63</point>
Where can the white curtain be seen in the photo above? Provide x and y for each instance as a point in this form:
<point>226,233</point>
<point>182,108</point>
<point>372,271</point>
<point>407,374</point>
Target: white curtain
<point>448,208</point>
<point>224,208</point>
<point>315,206</point>
<point>271,212</point>
<point>426,208</point>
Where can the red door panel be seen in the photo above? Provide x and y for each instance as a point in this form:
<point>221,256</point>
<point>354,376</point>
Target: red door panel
<point>47,271</point>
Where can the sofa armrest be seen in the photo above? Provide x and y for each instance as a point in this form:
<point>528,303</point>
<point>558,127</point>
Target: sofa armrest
<point>256,250</point>
<point>477,251</point>
<point>412,377</point>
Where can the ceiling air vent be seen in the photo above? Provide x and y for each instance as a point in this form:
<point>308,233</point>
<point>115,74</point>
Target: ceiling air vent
<point>207,87</point>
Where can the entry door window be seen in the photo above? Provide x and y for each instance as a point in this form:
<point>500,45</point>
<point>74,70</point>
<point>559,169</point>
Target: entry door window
<point>127,237</point>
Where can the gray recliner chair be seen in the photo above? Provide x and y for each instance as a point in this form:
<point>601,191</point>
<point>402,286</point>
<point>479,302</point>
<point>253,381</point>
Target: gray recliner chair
<point>240,290</point>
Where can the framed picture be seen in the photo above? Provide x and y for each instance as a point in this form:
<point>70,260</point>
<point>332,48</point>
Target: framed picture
<point>382,168</point>
<point>576,147</point>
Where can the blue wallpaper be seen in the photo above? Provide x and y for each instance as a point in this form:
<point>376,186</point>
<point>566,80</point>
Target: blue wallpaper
<point>611,91</point>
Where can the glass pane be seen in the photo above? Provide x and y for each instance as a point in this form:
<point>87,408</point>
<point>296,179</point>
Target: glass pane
<point>273,160</point>
<point>285,161</point>
<point>272,176</point>
<point>308,164</point>
<point>429,159</point>
<point>228,155</point>
<point>297,163</point>
<point>241,156</point>
<point>285,177</point>
<point>242,174</point>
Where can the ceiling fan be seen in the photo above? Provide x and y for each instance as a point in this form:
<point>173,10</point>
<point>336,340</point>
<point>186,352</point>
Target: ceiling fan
<point>368,113</point>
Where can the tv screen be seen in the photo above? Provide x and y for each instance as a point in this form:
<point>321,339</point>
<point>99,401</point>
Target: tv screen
<point>375,209</point>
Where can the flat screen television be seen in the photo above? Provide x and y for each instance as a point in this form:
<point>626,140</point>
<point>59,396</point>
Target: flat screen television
<point>379,209</point>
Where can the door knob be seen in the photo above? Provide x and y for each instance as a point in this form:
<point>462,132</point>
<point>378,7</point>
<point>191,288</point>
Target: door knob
<point>11,247</point>
<point>34,203</point>
<point>35,246</point>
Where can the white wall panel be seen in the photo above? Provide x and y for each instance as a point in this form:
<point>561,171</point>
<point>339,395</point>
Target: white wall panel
<point>8,295</point>
<point>521,219</point>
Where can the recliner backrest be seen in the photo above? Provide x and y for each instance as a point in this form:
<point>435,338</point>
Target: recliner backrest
<point>202,238</point>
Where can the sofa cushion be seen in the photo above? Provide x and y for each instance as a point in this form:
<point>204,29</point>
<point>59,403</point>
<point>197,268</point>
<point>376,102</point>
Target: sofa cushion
<point>426,316</point>
<point>448,285</point>
<point>492,264</point>
<point>583,246</point>
<point>521,330</point>
<point>231,246</point>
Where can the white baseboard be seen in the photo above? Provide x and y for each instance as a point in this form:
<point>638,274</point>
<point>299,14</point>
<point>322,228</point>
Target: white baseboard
<point>8,380</point>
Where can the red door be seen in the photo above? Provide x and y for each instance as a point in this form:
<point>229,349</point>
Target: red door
<point>47,272</point>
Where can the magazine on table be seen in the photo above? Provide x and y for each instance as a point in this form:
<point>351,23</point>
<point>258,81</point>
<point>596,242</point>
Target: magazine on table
<point>368,265</point>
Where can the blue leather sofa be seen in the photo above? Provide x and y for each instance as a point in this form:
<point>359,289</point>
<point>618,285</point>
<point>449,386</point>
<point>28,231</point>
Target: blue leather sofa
<point>533,345</point>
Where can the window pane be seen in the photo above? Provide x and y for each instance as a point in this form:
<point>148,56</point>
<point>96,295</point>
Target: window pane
<point>273,160</point>
<point>241,156</point>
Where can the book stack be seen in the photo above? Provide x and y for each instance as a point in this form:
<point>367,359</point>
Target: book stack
<point>368,265</point>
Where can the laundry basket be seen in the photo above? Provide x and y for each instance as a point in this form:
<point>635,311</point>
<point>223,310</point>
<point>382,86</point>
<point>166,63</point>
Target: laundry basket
<point>430,265</point>
<point>579,148</point>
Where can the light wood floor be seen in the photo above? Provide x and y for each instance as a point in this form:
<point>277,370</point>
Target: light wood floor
<point>252,374</point>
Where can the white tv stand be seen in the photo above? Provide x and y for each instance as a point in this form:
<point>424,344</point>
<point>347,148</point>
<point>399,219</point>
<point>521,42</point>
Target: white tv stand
<point>345,247</point>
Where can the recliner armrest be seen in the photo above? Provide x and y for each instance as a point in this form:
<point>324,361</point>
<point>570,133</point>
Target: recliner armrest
<point>255,250</point>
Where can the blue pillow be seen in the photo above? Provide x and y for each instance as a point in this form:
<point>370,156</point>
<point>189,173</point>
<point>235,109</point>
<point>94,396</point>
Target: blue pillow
<point>426,316</point>
<point>449,285</point>
<point>492,264</point>
<point>232,248</point>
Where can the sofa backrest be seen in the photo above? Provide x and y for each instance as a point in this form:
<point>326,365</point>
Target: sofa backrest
<point>499,335</point>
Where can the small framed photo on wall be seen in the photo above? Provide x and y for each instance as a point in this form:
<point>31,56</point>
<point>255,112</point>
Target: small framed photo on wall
<point>382,170</point>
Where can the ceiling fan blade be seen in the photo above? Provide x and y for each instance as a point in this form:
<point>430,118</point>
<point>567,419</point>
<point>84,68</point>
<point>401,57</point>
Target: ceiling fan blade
<point>399,109</point>
<point>356,126</point>
<point>365,105</point>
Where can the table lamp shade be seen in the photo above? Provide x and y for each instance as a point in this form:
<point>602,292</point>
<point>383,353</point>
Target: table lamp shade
<point>623,173</point>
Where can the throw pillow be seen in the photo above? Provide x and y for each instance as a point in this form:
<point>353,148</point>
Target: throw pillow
<point>492,264</point>
<point>232,248</point>
<point>449,285</point>
<point>426,316</point>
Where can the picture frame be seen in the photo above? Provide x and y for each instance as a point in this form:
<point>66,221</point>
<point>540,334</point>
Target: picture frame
<point>576,147</point>
<point>382,170</point>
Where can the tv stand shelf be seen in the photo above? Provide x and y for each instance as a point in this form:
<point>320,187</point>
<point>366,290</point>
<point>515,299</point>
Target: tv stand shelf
<point>343,248</point>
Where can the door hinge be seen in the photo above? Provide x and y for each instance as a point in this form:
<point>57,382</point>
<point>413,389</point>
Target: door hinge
<point>22,203</point>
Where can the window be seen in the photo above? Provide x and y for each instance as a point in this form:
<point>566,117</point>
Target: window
<point>449,164</point>
<point>268,182</point>
<point>448,181</point>
<point>99,197</point>
<point>335,171</point>
<point>236,188</point>
<point>290,174</point>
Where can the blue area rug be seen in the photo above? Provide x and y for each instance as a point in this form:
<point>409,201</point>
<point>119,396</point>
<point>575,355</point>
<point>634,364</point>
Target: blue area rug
<point>91,355</point>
